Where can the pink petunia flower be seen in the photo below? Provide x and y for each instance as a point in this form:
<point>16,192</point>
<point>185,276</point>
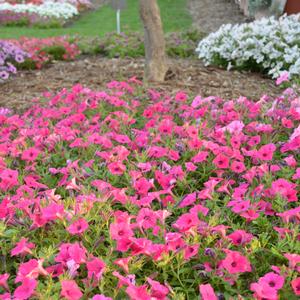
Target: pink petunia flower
<point>235,263</point>
<point>123,263</point>
<point>101,297</point>
<point>30,154</point>
<point>207,292</point>
<point>55,270</point>
<point>263,291</point>
<point>22,248</point>
<point>237,167</point>
<point>296,286</point>
<point>158,291</point>
<point>6,296</point>
<point>221,161</point>
<point>272,279</point>
<point>120,231</point>
<point>284,76</point>
<point>265,153</point>
<point>95,268</point>
<point>188,200</point>
<point>70,290</point>
<point>240,237</point>
<point>3,281</point>
<point>235,127</point>
<point>68,251</point>
<point>116,168</point>
<point>190,251</point>
<point>31,269</point>
<point>26,289</point>
<point>200,157</point>
<point>9,179</point>
<point>78,227</point>
<point>138,292</point>
<point>294,259</point>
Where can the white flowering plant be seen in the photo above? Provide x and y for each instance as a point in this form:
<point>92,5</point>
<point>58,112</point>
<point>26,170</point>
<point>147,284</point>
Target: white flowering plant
<point>49,9</point>
<point>268,45</point>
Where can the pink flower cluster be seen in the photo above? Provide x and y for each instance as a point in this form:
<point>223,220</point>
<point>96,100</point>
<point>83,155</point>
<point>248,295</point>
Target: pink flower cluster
<point>38,49</point>
<point>126,194</point>
<point>80,4</point>
<point>10,16</point>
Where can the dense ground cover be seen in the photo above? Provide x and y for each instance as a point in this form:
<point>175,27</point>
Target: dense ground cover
<point>40,52</point>
<point>160,195</point>
<point>40,13</point>
<point>174,14</point>
<point>31,53</point>
<point>268,45</point>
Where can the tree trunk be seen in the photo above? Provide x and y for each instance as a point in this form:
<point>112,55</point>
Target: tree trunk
<point>156,65</point>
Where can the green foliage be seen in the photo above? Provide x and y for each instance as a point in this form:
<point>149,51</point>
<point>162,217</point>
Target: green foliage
<point>131,44</point>
<point>22,22</point>
<point>56,51</point>
<point>97,23</point>
<point>124,45</point>
<point>28,64</point>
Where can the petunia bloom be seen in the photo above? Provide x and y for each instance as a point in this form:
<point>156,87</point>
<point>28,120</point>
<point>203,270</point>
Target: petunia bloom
<point>207,292</point>
<point>296,286</point>
<point>70,290</point>
<point>78,227</point>
<point>26,289</point>
<point>22,248</point>
<point>235,263</point>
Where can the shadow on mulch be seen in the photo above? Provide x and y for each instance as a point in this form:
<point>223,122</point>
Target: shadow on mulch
<point>95,72</point>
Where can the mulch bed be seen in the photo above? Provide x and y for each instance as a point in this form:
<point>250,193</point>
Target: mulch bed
<point>94,72</point>
<point>209,15</point>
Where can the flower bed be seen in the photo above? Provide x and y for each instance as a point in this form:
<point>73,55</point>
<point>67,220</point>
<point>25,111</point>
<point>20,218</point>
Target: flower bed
<point>41,13</point>
<point>33,53</point>
<point>43,51</point>
<point>131,44</point>
<point>161,196</point>
<point>266,45</point>
<point>10,55</point>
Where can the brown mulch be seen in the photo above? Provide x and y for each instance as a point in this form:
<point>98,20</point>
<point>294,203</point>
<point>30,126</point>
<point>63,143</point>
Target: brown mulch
<point>209,15</point>
<point>94,72</point>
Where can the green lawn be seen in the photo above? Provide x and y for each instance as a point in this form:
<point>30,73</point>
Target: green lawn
<point>96,23</point>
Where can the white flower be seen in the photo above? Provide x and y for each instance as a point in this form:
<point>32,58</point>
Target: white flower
<point>269,43</point>
<point>47,9</point>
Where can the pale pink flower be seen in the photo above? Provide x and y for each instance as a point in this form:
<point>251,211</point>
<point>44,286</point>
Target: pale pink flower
<point>284,76</point>
<point>207,292</point>
<point>70,290</point>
